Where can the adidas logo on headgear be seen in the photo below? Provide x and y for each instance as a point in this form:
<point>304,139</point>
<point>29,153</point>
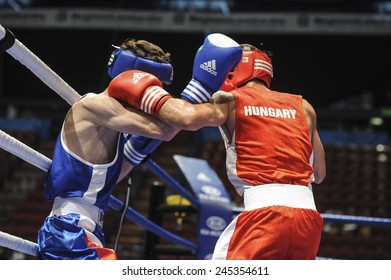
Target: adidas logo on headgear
<point>209,66</point>
<point>138,76</point>
<point>111,60</point>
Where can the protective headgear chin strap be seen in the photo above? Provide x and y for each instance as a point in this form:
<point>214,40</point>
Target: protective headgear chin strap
<point>122,60</point>
<point>254,64</point>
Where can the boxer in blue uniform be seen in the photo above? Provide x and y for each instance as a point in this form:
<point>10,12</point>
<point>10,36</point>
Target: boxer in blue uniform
<point>88,159</point>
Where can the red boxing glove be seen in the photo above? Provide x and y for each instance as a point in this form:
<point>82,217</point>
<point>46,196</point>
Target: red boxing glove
<point>139,89</point>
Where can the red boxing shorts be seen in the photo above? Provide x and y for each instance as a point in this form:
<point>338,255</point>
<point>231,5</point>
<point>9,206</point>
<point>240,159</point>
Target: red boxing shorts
<point>274,232</point>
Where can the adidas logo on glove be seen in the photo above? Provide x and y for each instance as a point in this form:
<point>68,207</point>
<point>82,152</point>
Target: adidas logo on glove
<point>138,76</point>
<point>209,66</point>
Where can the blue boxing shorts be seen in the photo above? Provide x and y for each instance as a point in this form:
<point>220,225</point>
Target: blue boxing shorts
<point>65,237</point>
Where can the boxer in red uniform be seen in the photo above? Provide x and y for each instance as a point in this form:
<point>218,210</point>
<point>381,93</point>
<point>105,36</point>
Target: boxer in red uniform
<point>274,154</point>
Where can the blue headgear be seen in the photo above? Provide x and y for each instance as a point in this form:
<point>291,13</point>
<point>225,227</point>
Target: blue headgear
<point>122,60</point>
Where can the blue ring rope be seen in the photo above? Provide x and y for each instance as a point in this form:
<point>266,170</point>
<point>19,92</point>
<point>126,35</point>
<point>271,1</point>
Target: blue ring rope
<point>139,219</point>
<point>155,168</point>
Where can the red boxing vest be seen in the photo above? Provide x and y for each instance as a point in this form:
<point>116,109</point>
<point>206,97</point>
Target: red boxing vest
<point>272,141</point>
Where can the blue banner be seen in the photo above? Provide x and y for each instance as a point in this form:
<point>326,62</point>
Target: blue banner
<point>215,211</point>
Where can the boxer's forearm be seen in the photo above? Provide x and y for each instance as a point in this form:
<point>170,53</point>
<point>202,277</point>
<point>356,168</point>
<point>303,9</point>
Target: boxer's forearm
<point>181,114</point>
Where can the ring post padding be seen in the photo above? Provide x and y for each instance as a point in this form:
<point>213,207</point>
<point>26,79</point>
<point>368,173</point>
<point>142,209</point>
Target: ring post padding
<point>7,39</point>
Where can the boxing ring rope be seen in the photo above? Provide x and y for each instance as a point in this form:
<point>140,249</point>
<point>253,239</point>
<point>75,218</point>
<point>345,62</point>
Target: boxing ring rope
<point>359,220</point>
<point>158,171</point>
<point>16,49</point>
<point>18,244</point>
<point>22,54</point>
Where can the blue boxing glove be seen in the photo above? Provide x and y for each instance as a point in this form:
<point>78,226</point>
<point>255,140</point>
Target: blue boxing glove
<point>213,61</point>
<point>137,148</point>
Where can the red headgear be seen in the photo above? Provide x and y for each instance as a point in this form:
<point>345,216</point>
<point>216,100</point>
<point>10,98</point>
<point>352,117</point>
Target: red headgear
<point>254,64</point>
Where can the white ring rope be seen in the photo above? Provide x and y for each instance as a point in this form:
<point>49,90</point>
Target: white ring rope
<point>24,152</point>
<point>18,244</point>
<point>41,70</point>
